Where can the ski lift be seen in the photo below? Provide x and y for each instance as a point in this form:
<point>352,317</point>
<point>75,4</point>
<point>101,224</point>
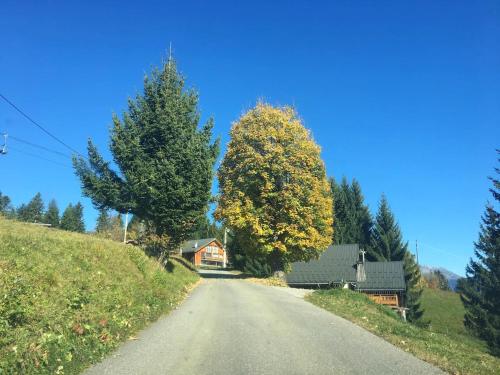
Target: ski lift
<point>3,148</point>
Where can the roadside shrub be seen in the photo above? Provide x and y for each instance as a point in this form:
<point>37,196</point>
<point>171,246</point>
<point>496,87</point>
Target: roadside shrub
<point>256,267</point>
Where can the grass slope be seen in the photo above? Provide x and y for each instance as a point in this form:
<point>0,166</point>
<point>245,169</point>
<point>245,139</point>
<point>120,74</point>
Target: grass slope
<point>451,353</point>
<point>67,299</point>
<point>445,310</point>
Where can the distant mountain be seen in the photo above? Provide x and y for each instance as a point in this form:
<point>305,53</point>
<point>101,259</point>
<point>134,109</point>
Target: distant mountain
<point>450,276</point>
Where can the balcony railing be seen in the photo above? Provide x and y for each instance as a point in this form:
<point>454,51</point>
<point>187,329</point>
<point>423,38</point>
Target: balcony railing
<point>212,256</point>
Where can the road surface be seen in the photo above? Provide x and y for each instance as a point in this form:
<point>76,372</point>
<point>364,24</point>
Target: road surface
<point>231,326</point>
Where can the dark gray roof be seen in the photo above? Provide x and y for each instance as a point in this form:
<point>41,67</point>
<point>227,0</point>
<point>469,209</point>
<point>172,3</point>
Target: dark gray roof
<point>338,264</point>
<point>383,276</point>
<point>192,246</point>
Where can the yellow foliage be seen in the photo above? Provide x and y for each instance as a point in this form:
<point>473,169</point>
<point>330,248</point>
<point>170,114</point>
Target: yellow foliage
<point>274,193</point>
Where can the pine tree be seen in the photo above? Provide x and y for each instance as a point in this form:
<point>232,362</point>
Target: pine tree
<point>72,218</point>
<point>33,211</point>
<point>67,218</point>
<point>52,214</point>
<point>480,290</point>
<point>340,209</point>
<point>353,221</point>
<point>103,224</point>
<point>274,194</point>
<point>414,290</point>
<point>386,240</point>
<point>387,245</point>
<point>165,160</point>
<point>362,219</point>
<point>78,218</point>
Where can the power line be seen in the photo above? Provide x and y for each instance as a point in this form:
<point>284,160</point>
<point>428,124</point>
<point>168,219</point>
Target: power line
<point>39,126</point>
<point>39,146</point>
<point>39,157</point>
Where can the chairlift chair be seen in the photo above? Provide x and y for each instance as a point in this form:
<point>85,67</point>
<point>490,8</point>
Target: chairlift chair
<point>3,148</point>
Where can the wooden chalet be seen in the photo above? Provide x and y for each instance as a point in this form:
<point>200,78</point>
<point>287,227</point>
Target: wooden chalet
<point>345,266</point>
<point>204,252</point>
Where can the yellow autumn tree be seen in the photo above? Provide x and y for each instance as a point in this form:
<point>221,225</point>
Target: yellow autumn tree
<point>274,194</point>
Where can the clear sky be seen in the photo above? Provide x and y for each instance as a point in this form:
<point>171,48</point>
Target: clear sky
<point>403,96</point>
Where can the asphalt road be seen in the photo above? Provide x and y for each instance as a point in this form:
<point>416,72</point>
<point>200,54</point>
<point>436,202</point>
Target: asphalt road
<point>231,326</point>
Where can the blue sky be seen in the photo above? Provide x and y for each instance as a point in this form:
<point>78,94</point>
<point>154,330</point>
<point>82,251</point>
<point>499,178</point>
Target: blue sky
<point>403,96</point>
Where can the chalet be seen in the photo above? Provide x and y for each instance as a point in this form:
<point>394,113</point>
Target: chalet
<point>344,266</point>
<point>204,252</point>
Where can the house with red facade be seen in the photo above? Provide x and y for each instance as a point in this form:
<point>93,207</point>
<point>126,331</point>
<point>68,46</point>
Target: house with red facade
<point>204,252</point>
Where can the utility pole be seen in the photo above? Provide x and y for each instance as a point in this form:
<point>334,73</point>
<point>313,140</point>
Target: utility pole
<point>225,248</point>
<point>125,231</point>
<point>416,250</point>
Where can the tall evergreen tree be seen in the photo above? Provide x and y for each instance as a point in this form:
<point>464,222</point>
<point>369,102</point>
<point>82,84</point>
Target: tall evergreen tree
<point>340,208</point>
<point>480,291</point>
<point>386,240</point>
<point>103,224</point>
<point>78,218</point>
<point>353,221</point>
<point>362,219</point>
<point>33,211</point>
<point>387,245</point>
<point>165,160</point>
<point>52,214</point>
<point>414,290</point>
<point>72,218</point>
<point>67,218</point>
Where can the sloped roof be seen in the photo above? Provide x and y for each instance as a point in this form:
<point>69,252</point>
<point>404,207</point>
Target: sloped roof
<point>383,276</point>
<point>338,264</point>
<point>192,246</point>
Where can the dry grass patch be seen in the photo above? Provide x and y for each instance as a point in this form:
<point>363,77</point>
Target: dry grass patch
<point>269,281</point>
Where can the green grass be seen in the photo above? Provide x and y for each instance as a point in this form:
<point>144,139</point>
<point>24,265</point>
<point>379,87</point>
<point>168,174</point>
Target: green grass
<point>454,352</point>
<point>67,299</point>
<point>445,310</point>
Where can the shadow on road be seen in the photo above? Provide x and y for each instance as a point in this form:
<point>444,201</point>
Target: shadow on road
<point>220,274</point>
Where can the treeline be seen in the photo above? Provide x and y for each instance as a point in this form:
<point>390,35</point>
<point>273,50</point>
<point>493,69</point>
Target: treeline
<point>436,280</point>
<point>379,236</point>
<point>34,212</point>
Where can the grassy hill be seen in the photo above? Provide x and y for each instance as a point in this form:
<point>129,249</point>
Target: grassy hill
<point>67,299</point>
<point>444,344</point>
<point>445,310</point>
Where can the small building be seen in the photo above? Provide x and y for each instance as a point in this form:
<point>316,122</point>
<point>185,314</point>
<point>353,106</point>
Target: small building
<point>204,252</point>
<point>345,266</point>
